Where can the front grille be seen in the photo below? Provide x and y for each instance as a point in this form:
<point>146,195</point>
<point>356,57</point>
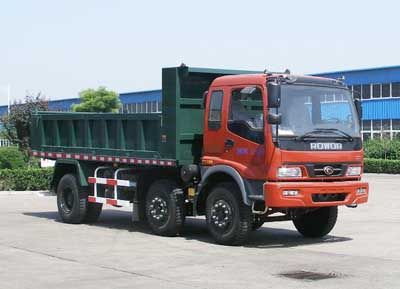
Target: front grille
<point>326,170</point>
<point>323,198</point>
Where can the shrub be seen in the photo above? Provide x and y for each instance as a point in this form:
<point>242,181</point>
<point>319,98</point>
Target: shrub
<point>25,179</point>
<point>381,166</point>
<point>11,158</point>
<point>382,149</point>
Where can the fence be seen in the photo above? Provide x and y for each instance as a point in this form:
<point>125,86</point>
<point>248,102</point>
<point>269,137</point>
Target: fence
<point>5,143</point>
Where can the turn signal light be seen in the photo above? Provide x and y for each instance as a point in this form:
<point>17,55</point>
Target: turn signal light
<point>361,191</point>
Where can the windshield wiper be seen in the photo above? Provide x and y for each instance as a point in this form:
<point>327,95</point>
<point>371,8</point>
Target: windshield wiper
<point>314,133</point>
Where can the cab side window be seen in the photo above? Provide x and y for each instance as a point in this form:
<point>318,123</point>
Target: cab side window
<point>246,114</point>
<point>215,111</point>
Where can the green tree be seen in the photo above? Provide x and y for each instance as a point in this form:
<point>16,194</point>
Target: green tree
<point>16,124</point>
<point>97,100</point>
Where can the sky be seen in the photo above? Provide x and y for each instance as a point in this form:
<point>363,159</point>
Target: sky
<point>59,48</point>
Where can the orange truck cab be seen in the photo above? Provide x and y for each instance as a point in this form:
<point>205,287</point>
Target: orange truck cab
<point>294,143</point>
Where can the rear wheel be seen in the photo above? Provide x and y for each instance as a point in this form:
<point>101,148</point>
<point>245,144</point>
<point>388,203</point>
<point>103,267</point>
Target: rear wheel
<point>72,202</point>
<point>164,208</point>
<point>228,218</point>
<point>317,223</point>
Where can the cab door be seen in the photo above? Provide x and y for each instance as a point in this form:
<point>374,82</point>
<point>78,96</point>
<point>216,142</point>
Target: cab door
<point>239,140</point>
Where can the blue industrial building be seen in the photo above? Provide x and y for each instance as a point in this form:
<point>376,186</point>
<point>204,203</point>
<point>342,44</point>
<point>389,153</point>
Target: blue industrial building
<point>379,89</point>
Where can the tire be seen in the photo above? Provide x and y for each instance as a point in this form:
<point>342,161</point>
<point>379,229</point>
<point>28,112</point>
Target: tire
<point>164,208</point>
<point>317,223</point>
<point>229,220</point>
<point>72,202</point>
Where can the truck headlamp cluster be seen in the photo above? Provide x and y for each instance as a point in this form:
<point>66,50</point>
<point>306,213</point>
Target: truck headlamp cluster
<point>289,172</point>
<point>353,171</point>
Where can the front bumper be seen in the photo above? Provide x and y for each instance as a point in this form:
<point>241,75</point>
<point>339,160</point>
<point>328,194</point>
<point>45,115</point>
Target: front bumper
<point>274,198</point>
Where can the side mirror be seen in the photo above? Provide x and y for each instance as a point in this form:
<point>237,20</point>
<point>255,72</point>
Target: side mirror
<point>357,103</point>
<point>274,95</point>
<point>274,118</point>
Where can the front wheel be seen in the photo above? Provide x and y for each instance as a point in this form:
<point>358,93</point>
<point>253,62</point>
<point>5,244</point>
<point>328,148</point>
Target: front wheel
<point>317,223</point>
<point>228,218</point>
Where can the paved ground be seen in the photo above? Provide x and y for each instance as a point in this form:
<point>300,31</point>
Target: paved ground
<point>38,251</point>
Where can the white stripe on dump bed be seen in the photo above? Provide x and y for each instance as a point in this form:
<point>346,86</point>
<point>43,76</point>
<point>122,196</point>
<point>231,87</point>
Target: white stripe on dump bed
<point>89,157</point>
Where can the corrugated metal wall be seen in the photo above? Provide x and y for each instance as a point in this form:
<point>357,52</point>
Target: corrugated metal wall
<point>381,109</point>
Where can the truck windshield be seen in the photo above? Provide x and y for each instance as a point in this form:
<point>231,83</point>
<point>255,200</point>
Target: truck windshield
<point>313,110</point>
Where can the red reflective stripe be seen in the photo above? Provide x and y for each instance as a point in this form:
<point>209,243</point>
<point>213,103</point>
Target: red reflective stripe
<point>111,182</point>
<point>111,202</point>
<point>91,199</point>
<point>91,180</point>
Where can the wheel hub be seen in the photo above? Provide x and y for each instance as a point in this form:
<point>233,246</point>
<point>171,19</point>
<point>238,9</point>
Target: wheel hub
<point>68,200</point>
<point>221,214</point>
<point>158,209</point>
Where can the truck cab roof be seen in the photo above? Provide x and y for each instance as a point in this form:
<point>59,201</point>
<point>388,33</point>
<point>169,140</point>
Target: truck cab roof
<point>261,78</point>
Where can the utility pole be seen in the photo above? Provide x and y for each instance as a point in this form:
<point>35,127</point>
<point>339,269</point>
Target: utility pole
<point>8,97</point>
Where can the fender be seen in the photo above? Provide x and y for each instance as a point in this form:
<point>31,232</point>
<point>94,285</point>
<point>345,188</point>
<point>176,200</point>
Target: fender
<point>229,171</point>
<point>63,166</point>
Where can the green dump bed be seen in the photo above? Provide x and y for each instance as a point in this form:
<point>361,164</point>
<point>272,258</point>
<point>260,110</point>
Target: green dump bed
<point>175,134</point>
<point>109,134</point>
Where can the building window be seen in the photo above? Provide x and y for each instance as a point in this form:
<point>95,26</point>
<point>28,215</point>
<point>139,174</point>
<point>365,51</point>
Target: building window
<point>376,135</point>
<point>386,90</point>
<point>385,135</point>
<point>366,91</point>
<point>329,98</point>
<point>376,124</point>
<point>396,89</point>
<point>366,136</point>
<point>366,125</point>
<point>376,90</point>
<point>396,135</point>
<point>357,91</point>
<point>386,124</point>
<point>396,124</point>
<point>154,106</point>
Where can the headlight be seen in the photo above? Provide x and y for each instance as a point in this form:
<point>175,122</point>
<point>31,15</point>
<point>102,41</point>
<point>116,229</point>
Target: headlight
<point>353,171</point>
<point>290,172</point>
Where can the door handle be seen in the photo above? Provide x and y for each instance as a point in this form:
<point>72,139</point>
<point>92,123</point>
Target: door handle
<point>229,143</point>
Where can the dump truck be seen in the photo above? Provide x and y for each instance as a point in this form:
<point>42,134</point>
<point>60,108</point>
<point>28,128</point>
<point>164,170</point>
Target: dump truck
<point>240,147</point>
